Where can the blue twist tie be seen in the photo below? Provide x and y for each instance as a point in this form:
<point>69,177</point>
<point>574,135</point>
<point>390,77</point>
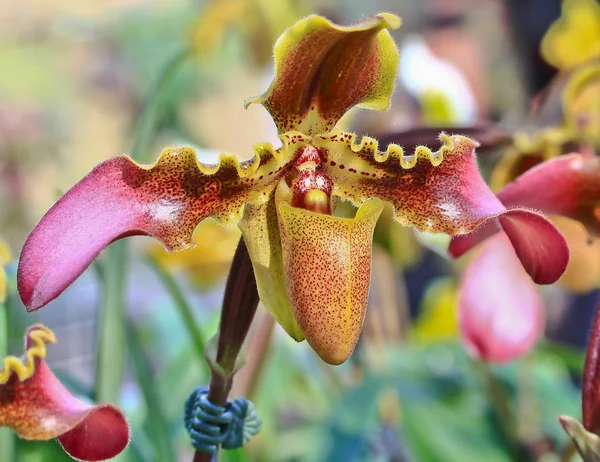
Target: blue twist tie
<point>211,426</point>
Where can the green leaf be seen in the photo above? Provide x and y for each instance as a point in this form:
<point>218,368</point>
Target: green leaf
<point>183,308</point>
<point>110,365</point>
<point>158,427</point>
<point>7,438</point>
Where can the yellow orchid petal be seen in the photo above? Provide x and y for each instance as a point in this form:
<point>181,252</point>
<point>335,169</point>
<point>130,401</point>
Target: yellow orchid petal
<point>438,320</point>
<point>2,285</point>
<point>583,271</point>
<point>261,234</point>
<point>574,37</point>
<point>322,70</point>
<point>581,102</point>
<point>4,254</point>
<point>327,267</point>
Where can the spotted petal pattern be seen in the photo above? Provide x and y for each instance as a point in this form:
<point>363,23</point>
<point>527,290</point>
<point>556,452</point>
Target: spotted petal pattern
<point>327,265</point>
<point>322,70</point>
<point>37,407</point>
<point>440,192</point>
<point>121,198</point>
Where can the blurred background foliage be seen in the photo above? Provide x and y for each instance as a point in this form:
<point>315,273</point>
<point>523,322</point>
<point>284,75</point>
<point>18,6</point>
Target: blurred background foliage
<point>75,76</point>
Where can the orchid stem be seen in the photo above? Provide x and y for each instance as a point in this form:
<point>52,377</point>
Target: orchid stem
<point>239,306</point>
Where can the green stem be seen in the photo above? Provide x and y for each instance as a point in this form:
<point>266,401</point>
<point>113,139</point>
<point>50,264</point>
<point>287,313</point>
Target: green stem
<point>183,307</point>
<point>7,438</point>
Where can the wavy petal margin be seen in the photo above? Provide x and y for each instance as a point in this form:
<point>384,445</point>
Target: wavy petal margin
<point>37,406</point>
<point>440,192</point>
<point>121,198</point>
<point>322,70</point>
<point>327,265</point>
<point>500,309</point>
<point>568,185</point>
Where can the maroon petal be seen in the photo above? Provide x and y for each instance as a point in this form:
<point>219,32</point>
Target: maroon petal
<point>542,249</point>
<point>500,310</point>
<point>121,198</point>
<point>567,185</point>
<point>100,436</point>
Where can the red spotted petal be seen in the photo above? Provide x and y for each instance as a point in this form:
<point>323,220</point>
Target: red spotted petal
<point>327,267</point>
<point>37,407</point>
<point>567,185</point>
<point>500,309</point>
<point>322,70</point>
<point>542,249</point>
<point>121,198</point>
<point>440,192</point>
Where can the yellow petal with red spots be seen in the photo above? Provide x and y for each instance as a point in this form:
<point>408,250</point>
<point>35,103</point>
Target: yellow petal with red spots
<point>581,102</point>
<point>327,266</point>
<point>261,234</point>
<point>322,70</point>
<point>122,198</point>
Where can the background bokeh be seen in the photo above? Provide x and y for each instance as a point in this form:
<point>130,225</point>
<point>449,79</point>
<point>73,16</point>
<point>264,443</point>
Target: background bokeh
<point>75,76</point>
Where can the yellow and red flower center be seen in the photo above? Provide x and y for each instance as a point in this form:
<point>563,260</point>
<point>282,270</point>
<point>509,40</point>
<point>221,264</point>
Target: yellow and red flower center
<point>311,189</point>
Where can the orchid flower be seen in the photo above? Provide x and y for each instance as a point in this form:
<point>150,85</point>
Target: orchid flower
<point>500,310</point>
<point>312,268</point>
<point>574,37</point>
<point>38,407</point>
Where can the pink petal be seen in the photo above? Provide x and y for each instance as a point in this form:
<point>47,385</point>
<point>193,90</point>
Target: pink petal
<point>500,310</point>
<point>567,185</point>
<point>121,198</point>
<point>41,408</point>
<point>540,247</point>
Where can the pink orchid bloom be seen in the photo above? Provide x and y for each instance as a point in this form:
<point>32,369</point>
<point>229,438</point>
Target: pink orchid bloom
<point>500,310</point>
<point>37,406</point>
<point>312,268</point>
